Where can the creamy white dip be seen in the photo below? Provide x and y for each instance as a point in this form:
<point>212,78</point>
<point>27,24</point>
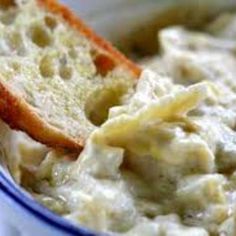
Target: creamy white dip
<point>164,163</point>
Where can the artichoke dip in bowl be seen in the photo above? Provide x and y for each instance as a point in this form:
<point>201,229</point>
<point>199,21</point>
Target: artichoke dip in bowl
<point>163,162</point>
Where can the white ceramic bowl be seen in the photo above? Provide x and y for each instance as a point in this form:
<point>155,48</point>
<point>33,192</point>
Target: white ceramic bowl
<point>20,214</point>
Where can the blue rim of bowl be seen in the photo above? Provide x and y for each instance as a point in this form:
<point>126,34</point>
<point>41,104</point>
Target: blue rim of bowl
<point>40,212</point>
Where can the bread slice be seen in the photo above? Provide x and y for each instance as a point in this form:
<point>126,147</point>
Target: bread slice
<point>57,77</point>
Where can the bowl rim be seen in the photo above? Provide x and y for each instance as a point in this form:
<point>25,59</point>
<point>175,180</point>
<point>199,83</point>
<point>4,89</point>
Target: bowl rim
<point>39,212</point>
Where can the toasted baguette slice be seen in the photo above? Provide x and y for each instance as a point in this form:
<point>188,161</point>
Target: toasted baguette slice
<point>57,77</point>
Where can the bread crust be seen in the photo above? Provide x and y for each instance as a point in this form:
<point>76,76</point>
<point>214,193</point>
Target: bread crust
<point>20,115</point>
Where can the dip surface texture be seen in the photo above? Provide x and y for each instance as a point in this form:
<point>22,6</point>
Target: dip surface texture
<point>164,162</point>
